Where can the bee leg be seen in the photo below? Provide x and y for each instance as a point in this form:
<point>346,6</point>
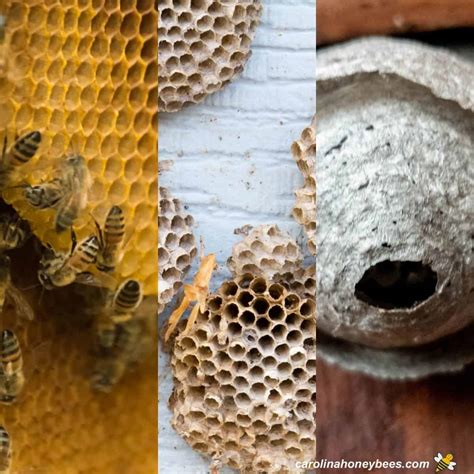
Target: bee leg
<point>175,317</point>
<point>100,234</point>
<point>192,318</point>
<point>73,241</point>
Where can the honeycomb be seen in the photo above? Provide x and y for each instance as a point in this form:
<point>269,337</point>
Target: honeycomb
<point>58,422</point>
<point>244,378</point>
<point>304,211</point>
<point>203,44</point>
<point>176,247</point>
<point>265,251</point>
<point>84,73</point>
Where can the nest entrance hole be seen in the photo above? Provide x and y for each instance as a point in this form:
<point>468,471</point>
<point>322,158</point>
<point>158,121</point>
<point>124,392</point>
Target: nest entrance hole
<point>396,284</point>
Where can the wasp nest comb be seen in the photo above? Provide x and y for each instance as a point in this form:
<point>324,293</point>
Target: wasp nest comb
<point>176,248</point>
<point>266,251</point>
<point>304,153</point>
<point>395,174</point>
<point>86,78</point>
<point>245,377</point>
<point>203,44</point>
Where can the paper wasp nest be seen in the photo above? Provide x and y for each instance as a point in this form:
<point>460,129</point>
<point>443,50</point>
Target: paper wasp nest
<point>304,153</point>
<point>245,377</point>
<point>266,251</point>
<point>176,249</point>
<point>302,281</point>
<point>395,202</point>
<point>84,74</point>
<point>203,44</point>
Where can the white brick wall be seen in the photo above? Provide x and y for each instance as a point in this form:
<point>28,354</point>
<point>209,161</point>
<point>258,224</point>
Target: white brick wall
<point>232,162</point>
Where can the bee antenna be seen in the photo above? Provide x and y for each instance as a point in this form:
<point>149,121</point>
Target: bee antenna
<point>23,185</point>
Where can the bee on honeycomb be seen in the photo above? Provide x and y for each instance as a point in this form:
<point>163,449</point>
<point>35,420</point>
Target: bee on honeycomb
<point>83,74</point>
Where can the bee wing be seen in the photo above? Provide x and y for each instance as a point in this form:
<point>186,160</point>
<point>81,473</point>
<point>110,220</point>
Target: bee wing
<point>451,466</point>
<point>23,308</point>
<point>100,280</point>
<point>438,457</point>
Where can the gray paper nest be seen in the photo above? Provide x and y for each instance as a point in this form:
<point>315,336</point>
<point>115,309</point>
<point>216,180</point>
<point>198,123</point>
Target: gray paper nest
<point>395,174</point>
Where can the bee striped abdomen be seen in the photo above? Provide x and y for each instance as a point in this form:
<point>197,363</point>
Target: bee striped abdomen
<point>24,148</point>
<point>114,227</point>
<point>5,451</point>
<point>114,231</point>
<point>442,466</point>
<point>127,298</point>
<point>88,250</point>
<point>10,352</point>
<point>22,151</point>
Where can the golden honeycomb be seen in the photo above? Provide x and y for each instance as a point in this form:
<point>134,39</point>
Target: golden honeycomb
<point>245,378</point>
<point>265,251</point>
<point>304,211</point>
<point>58,425</point>
<point>203,44</point>
<point>176,247</point>
<point>84,73</point>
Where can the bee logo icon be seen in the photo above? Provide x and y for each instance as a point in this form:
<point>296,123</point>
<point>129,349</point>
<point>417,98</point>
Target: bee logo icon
<point>445,462</point>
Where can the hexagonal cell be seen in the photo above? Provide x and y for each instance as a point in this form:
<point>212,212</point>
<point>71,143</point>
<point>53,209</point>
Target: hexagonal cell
<point>176,247</point>
<point>203,44</point>
<point>81,80</point>
<point>262,360</point>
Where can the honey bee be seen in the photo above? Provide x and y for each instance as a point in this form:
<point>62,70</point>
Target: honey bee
<point>67,192</point>
<point>7,289</point>
<point>117,312</point>
<point>125,301</point>
<point>21,152</point>
<point>5,451</point>
<point>127,340</point>
<point>58,270</point>
<point>123,350</point>
<point>107,373</point>
<point>110,239</point>
<point>13,232</point>
<point>106,333</point>
<point>197,291</point>
<point>12,378</point>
